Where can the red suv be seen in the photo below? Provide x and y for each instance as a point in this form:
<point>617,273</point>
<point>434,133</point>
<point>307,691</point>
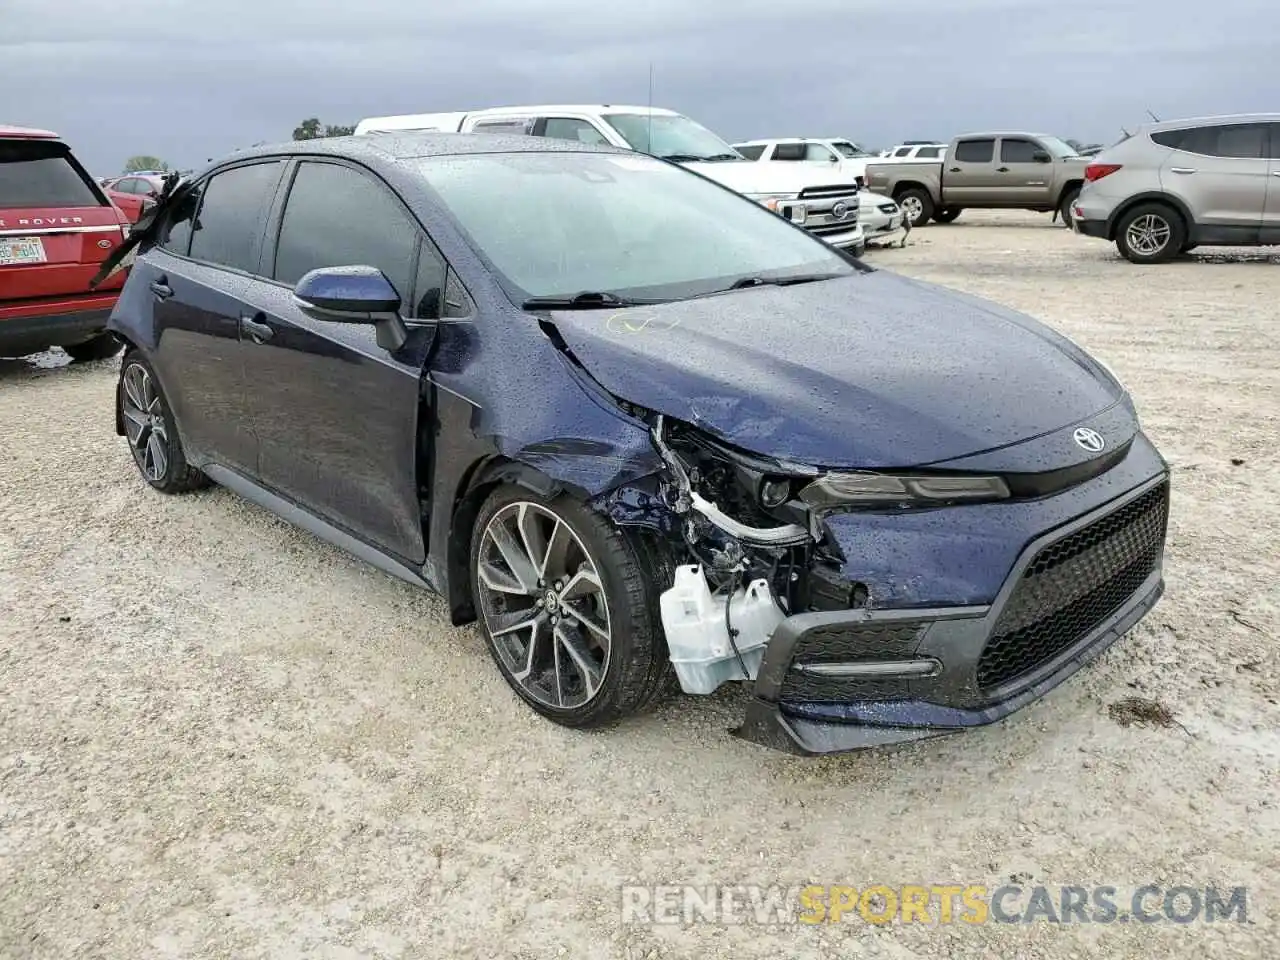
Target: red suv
<point>56,228</point>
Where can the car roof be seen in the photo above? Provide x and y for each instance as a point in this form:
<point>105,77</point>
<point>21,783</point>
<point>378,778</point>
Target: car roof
<point>1219,119</point>
<point>765,143</point>
<point>412,144</point>
<point>994,134</point>
<point>27,133</point>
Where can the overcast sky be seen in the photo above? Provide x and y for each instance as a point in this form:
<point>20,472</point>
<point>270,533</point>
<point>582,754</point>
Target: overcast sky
<point>187,80</point>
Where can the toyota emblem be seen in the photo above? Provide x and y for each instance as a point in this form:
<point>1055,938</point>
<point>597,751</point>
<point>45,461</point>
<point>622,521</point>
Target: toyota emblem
<point>1090,440</point>
<point>840,210</point>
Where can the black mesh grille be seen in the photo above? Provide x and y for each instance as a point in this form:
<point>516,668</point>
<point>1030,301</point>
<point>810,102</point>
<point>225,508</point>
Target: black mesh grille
<point>844,644</point>
<point>1073,585</point>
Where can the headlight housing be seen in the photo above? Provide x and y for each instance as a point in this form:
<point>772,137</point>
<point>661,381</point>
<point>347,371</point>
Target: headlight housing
<point>868,490</point>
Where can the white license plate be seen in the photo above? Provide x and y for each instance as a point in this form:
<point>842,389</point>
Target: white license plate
<point>21,250</point>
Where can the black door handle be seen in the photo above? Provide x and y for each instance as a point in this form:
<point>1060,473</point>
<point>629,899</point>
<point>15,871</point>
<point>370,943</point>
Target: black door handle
<point>1002,169</point>
<point>954,170</point>
<point>258,332</point>
<point>161,289</point>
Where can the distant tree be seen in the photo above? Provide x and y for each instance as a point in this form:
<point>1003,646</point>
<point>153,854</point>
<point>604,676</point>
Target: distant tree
<point>311,129</point>
<point>144,162</point>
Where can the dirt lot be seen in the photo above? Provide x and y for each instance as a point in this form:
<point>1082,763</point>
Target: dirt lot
<point>220,737</point>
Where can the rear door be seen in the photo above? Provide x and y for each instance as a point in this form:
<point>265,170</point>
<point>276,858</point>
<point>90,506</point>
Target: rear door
<point>56,224</point>
<point>1221,171</point>
<point>969,174</point>
<point>198,283</point>
<point>337,414</point>
<point>1020,180</point>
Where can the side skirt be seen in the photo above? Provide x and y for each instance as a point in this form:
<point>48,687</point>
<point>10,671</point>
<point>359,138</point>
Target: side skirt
<point>308,521</point>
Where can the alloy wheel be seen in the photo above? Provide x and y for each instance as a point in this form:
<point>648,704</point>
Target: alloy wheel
<point>544,605</point>
<point>144,422</point>
<point>1148,234</point>
<point>912,207</point>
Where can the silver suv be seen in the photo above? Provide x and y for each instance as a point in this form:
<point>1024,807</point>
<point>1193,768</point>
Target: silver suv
<point>1171,186</point>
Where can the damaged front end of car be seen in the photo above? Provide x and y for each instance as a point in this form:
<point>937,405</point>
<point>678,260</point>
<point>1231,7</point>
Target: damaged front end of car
<point>846,652</point>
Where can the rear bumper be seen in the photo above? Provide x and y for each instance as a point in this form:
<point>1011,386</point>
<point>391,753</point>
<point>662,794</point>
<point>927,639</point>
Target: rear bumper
<point>1090,228</point>
<point>893,676</point>
<point>59,324</point>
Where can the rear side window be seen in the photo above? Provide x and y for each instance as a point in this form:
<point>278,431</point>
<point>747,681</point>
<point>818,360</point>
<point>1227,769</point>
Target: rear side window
<point>751,153</point>
<point>1242,141</point>
<point>38,173</point>
<point>503,126</point>
<point>975,151</point>
<point>228,227</point>
<point>338,217</point>
<point>788,151</point>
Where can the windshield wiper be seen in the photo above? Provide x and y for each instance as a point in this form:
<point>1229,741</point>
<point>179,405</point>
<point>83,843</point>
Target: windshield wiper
<point>684,157</point>
<point>587,300</point>
<point>746,282</point>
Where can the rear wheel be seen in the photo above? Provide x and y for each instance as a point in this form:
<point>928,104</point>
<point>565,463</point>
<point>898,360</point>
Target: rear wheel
<point>946,215</point>
<point>569,608</point>
<point>1150,233</point>
<point>99,348</point>
<point>917,205</point>
<point>150,429</point>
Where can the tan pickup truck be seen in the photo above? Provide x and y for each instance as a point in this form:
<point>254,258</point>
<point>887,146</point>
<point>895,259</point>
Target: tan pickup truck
<point>1022,171</point>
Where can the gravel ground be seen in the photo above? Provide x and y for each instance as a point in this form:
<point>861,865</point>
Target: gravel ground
<point>221,737</point>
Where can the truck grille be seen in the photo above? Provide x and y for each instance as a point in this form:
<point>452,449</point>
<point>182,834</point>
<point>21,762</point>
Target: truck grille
<point>1073,585</point>
<point>820,202</point>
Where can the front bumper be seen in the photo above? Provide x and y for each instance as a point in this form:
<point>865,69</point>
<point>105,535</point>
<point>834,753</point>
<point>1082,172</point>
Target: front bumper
<point>842,680</point>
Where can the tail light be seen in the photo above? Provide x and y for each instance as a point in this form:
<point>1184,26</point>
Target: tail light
<point>1096,171</point>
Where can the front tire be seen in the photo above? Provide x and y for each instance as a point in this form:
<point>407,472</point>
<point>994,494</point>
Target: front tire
<point>1150,233</point>
<point>917,205</point>
<point>568,607</point>
<point>100,347</point>
<point>150,429</point>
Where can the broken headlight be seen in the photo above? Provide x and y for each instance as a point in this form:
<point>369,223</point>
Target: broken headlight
<point>865,489</point>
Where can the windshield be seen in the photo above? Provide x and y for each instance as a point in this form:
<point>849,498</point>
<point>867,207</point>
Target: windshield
<point>1059,148</point>
<point>670,136</point>
<point>849,149</point>
<point>560,224</point>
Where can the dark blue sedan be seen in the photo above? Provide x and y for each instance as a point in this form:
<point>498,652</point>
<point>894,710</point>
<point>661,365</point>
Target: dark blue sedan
<point>642,429</point>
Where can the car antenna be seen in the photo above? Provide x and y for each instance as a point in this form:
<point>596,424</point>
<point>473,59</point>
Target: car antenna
<point>1153,116</point>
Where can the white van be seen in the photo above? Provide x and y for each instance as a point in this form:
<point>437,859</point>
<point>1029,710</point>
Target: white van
<point>825,205</point>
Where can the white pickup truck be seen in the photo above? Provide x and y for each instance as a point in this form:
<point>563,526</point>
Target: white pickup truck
<point>824,205</point>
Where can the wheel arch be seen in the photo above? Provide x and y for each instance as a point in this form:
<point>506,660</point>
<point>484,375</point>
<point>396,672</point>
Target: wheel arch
<point>477,483</point>
<point>903,186</point>
<point>1151,196</point>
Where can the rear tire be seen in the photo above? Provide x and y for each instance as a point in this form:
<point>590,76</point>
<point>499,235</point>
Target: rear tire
<point>917,206</point>
<point>946,215</point>
<point>1150,233</point>
<point>101,347</point>
<point>1064,208</point>
<point>565,666</point>
<point>150,429</point>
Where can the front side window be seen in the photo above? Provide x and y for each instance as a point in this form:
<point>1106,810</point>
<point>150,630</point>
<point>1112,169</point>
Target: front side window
<point>559,224</point>
<point>929,153</point>
<point>672,137</point>
<point>975,151</point>
<point>754,152</point>
<point>1018,151</point>
<point>789,151</point>
<point>566,128</point>
<point>849,149</point>
<point>229,224</point>
<point>902,152</point>
<point>339,217</point>
<point>1240,141</point>
<point>817,153</point>
<point>40,173</point>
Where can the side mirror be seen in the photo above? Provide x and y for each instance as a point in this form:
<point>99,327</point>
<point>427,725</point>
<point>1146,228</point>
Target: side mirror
<point>1041,156</point>
<point>354,294</point>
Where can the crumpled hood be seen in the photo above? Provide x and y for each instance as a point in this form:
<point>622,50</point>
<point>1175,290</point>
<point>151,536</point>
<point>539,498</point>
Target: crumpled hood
<point>872,371</point>
<point>782,178</point>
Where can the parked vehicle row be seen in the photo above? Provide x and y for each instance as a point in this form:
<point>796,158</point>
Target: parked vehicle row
<point>746,456</point>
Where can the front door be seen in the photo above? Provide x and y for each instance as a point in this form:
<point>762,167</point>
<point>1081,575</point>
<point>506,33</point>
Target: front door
<point>1022,181</point>
<point>337,415</point>
<point>1222,172</point>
